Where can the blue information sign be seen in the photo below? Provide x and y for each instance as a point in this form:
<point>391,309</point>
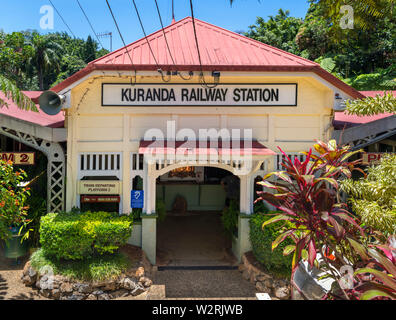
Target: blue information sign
<point>137,197</point>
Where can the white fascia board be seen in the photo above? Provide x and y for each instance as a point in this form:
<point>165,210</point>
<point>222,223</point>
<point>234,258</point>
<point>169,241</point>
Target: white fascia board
<point>223,73</point>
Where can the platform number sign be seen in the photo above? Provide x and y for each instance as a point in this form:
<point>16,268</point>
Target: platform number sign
<point>137,197</point>
<point>18,158</point>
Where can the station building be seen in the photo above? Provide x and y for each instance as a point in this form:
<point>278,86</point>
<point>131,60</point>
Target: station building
<point>156,116</point>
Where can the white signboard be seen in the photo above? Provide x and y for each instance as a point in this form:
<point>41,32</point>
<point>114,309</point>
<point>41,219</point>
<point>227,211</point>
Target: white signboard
<point>147,94</point>
<point>99,187</point>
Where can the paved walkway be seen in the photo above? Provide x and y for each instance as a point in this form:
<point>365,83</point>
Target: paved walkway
<point>204,284</point>
<point>193,239</point>
<point>11,286</point>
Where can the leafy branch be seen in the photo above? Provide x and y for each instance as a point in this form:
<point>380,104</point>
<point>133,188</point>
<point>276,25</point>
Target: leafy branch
<point>372,106</point>
<point>12,92</point>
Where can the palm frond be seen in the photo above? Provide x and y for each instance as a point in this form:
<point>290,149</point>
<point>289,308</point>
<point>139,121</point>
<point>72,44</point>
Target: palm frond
<point>12,92</point>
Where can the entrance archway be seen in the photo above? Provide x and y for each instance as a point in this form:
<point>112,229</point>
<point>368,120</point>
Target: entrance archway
<point>191,227</point>
<point>244,168</point>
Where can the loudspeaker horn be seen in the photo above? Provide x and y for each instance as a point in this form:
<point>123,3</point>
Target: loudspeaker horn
<point>51,102</point>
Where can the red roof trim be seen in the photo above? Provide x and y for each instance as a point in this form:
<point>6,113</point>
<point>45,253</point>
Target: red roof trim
<point>195,147</point>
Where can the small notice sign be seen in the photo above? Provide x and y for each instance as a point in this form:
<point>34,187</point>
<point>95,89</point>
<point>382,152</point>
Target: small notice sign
<point>96,199</point>
<point>137,198</point>
<point>99,187</point>
<point>18,158</point>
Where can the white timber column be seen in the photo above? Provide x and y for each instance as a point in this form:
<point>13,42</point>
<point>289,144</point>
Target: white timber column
<point>69,164</point>
<point>150,188</point>
<point>242,243</point>
<point>246,194</point>
<point>243,193</point>
<point>149,217</point>
<point>126,170</point>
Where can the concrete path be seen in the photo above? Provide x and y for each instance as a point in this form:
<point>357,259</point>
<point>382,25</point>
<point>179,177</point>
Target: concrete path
<point>11,286</point>
<point>193,239</point>
<point>204,284</point>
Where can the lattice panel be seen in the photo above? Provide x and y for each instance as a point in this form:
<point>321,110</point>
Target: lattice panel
<point>55,167</point>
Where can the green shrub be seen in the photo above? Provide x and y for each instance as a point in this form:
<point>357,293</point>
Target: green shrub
<point>261,240</point>
<point>96,268</point>
<point>160,210</point>
<point>77,236</point>
<point>260,207</point>
<point>137,214</point>
<point>230,218</point>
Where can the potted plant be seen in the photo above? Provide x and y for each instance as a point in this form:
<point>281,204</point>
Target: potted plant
<point>13,212</point>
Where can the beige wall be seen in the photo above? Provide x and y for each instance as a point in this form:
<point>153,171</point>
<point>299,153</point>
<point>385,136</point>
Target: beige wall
<point>93,128</point>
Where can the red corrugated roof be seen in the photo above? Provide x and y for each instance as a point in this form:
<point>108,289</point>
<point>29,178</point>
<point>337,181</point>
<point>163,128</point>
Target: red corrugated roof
<point>220,49</point>
<point>39,117</point>
<point>375,93</point>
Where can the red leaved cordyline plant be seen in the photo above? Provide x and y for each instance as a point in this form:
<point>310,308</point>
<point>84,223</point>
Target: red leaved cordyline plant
<point>306,193</point>
<point>377,278</point>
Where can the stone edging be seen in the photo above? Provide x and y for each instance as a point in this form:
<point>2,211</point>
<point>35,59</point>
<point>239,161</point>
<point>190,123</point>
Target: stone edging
<point>133,283</point>
<point>278,289</point>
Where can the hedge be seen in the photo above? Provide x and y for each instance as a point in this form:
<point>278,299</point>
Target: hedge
<point>75,236</point>
<point>261,241</point>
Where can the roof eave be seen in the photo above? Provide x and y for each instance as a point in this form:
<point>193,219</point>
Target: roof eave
<point>252,68</point>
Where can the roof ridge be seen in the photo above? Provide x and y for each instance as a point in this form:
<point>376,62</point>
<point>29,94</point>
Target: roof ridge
<point>255,41</point>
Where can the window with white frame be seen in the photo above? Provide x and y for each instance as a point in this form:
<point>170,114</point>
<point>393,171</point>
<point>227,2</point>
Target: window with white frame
<point>100,164</point>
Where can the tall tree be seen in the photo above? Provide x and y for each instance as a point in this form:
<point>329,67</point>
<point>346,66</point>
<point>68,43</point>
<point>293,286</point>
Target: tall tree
<point>278,31</point>
<point>90,48</point>
<point>46,56</point>
<point>365,11</point>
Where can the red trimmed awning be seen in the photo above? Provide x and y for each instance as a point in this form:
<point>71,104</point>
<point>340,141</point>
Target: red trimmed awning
<point>234,147</point>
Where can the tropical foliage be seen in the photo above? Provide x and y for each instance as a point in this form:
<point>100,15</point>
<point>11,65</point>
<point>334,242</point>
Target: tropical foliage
<point>306,195</point>
<point>374,198</point>
<point>325,234</point>
<point>11,91</point>
<point>13,197</point>
<point>37,62</point>
<point>372,106</point>
<point>278,31</point>
<point>365,59</point>
<point>365,11</point>
<point>376,279</point>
